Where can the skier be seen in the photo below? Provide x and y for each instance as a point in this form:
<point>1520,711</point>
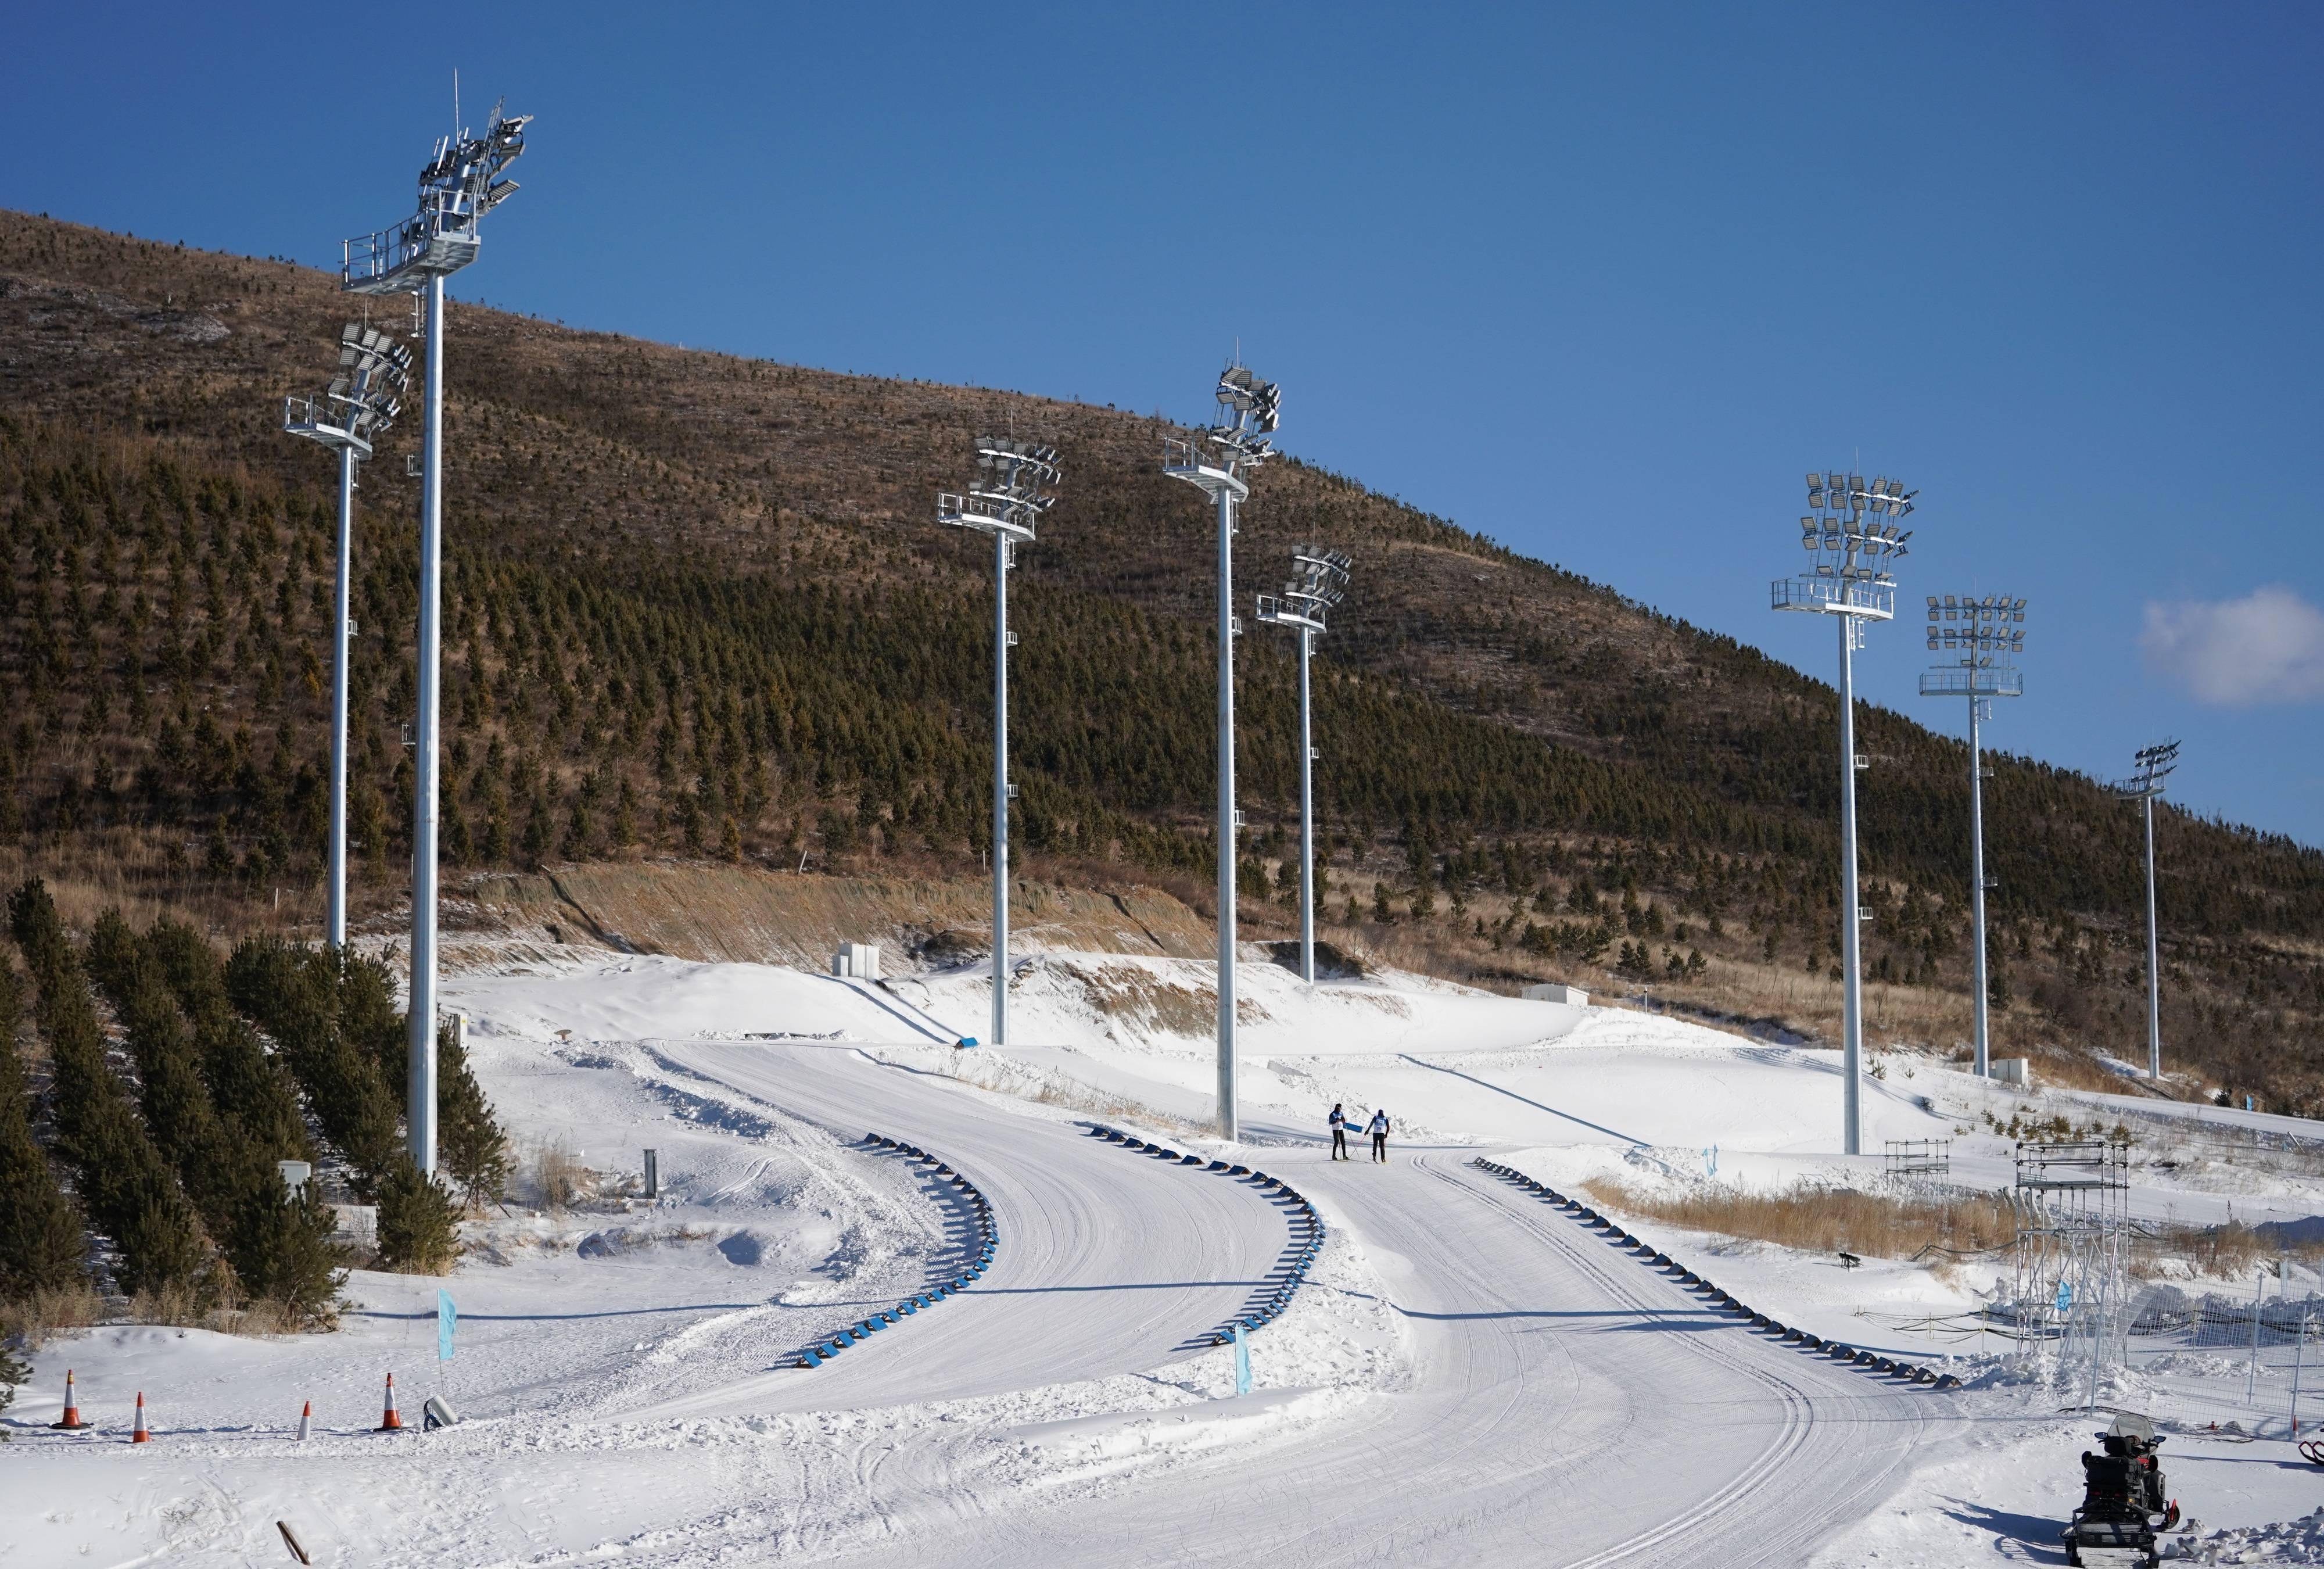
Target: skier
<point>1339,1133</point>
<point>1378,1128</point>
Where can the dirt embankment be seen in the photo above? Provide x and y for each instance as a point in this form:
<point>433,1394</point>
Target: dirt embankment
<point>698,910</point>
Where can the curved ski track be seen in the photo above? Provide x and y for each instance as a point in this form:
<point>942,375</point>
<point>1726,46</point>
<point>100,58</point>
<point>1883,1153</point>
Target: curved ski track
<point>1568,1407</point>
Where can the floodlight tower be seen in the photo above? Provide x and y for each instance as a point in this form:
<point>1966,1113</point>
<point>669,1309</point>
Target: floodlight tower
<point>1986,636</point>
<point>359,406</point>
<point>1852,534</point>
<point>1218,459</point>
<point>2154,765</point>
<point>458,188</point>
<point>1319,582</point>
<point>1005,501</point>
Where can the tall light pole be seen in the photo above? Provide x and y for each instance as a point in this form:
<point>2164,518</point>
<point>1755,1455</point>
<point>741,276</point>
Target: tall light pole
<point>1218,459</point>
<point>1851,533</point>
<point>2154,765</point>
<point>1319,582</point>
<point>1005,501</point>
<point>357,407</point>
<point>459,185</point>
<point>1985,636</point>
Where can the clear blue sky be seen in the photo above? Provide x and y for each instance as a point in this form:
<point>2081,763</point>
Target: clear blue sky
<point>1601,281</point>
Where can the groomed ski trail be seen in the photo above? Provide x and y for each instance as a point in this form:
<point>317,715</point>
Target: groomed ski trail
<point>1568,1407</point>
<point>1107,1264</point>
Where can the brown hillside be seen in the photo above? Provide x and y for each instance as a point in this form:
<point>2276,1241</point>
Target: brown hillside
<point>697,605</point>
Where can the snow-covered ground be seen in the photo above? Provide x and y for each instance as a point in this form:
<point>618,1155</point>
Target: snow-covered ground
<point>1466,1377</point>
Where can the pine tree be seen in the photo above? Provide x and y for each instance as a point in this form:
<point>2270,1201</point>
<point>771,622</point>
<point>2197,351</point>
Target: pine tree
<point>284,1250</point>
<point>130,1191</point>
<point>39,1229</point>
<point>292,994</point>
<point>279,1250</point>
<point>254,1091</point>
<point>468,1138</point>
<point>419,1222</point>
<point>13,1371</point>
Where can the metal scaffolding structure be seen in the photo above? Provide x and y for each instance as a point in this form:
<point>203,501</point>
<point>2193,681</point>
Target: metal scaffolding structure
<point>1918,1157</point>
<point>2069,1299</point>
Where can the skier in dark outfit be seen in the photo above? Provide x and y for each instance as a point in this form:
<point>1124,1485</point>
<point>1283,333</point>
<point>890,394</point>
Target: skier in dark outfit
<point>1339,1133</point>
<point>1379,1131</point>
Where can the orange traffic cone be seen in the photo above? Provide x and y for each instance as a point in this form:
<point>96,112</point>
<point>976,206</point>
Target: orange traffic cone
<point>390,1422</point>
<point>72,1421</point>
<point>138,1435</point>
<point>306,1414</point>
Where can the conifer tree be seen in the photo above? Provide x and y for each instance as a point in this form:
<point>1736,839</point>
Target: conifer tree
<point>13,1371</point>
<point>294,999</point>
<point>419,1222</point>
<point>281,1249</point>
<point>468,1139</point>
<point>41,1245</point>
<point>255,1092</point>
<point>131,1195</point>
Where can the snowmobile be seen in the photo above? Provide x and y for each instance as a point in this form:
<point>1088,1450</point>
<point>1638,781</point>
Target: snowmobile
<point>2123,1507</point>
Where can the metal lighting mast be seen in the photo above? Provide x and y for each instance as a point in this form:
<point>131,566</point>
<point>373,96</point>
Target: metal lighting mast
<point>1986,635</point>
<point>1320,583</point>
<point>1005,500</point>
<point>1850,582</point>
<point>1217,458</point>
<point>359,406</point>
<point>459,185</point>
<point>2154,765</point>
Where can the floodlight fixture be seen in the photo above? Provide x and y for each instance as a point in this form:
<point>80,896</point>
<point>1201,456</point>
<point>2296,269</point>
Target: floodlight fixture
<point>1006,499</point>
<point>1976,640</point>
<point>1319,582</point>
<point>1853,535</point>
<point>459,186</point>
<point>464,180</point>
<point>2144,786</point>
<point>1218,459</point>
<point>347,417</point>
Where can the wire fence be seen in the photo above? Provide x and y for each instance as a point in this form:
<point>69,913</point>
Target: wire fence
<point>2211,1362</point>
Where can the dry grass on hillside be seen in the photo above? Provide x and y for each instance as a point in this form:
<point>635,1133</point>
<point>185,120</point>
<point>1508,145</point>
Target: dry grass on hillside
<point>556,1176</point>
<point>1939,1231</point>
<point>2229,1252</point>
<point>86,878</point>
<point>33,1319</point>
<point>1817,1219</point>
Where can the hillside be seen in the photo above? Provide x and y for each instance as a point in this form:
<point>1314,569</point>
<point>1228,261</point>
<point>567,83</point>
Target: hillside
<point>698,608</point>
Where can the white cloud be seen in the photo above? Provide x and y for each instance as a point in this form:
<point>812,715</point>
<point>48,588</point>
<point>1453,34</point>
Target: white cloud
<point>2267,646</point>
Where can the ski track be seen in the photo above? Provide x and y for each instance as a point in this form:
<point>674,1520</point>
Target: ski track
<point>1569,1406</point>
<point>1106,1264</point>
<point>1561,1404</point>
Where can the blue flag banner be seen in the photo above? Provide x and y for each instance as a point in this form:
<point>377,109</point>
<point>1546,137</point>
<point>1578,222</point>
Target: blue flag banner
<point>1242,1362</point>
<point>2065,1295</point>
<point>447,1318</point>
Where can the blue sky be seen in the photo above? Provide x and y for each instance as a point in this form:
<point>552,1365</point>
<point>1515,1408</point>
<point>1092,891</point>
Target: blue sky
<point>1602,281</point>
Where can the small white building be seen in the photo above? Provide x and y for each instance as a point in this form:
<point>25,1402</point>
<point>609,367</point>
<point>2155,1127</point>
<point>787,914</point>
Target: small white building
<point>1556,991</point>
<point>857,961</point>
<point>2011,1070</point>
